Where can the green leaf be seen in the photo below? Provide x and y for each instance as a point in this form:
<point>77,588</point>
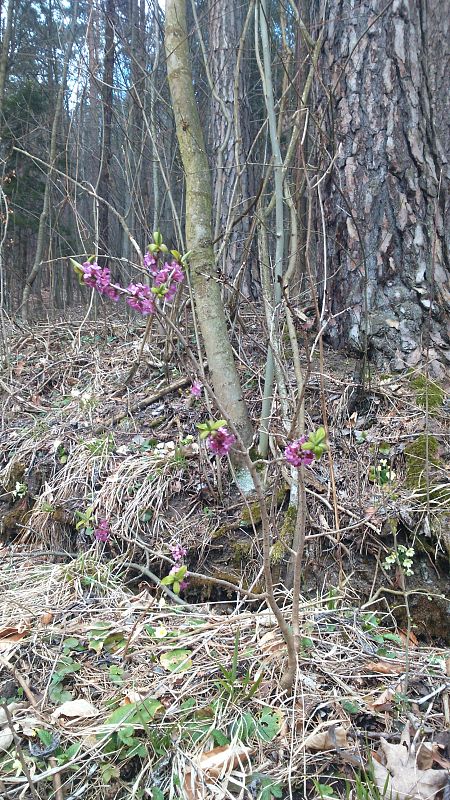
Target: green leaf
<point>168,580</point>
<point>219,738</point>
<point>157,794</point>
<point>268,724</point>
<point>108,772</point>
<point>157,238</point>
<point>176,587</point>
<point>46,737</point>
<point>351,707</point>
<point>132,714</point>
<point>176,660</point>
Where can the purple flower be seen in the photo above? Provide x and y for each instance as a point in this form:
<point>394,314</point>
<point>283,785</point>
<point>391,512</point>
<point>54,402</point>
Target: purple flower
<point>102,531</point>
<point>100,278</point>
<point>140,298</point>
<point>296,456</point>
<point>169,276</point>
<point>178,553</point>
<point>184,584</point>
<point>196,388</point>
<point>221,441</point>
<point>151,263</point>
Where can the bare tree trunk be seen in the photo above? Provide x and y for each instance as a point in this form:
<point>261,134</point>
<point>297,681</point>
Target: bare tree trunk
<point>4,55</point>
<point>388,260</point>
<point>206,288</point>
<point>233,178</point>
<point>107,104</point>
<point>43,219</point>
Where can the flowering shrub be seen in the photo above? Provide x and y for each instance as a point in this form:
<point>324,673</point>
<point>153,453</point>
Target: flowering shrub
<point>166,278</point>
<point>218,437</point>
<point>296,456</point>
<point>196,389</point>
<point>304,450</point>
<point>102,532</point>
<point>176,578</point>
<point>221,441</point>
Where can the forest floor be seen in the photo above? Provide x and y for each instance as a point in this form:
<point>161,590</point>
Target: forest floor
<point>112,688</point>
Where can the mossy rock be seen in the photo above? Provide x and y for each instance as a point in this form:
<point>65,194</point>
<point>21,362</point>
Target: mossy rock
<point>251,514</point>
<point>240,551</point>
<point>427,391</point>
<point>420,455</point>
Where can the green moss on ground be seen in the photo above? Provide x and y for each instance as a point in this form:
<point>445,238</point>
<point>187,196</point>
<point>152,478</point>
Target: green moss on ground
<point>426,388</point>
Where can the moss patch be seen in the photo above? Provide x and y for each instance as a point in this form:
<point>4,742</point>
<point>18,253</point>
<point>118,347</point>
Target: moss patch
<point>425,388</point>
<point>418,460</point>
<point>286,536</point>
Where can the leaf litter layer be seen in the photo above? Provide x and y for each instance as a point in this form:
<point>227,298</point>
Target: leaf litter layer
<point>206,716</point>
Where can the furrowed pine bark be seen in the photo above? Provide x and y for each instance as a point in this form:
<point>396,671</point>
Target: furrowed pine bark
<point>388,245</point>
<point>199,236</point>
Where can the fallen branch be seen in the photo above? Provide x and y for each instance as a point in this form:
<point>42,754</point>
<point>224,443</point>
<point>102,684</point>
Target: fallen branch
<point>146,401</point>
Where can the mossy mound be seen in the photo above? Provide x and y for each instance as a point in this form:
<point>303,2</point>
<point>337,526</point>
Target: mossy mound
<point>427,393</point>
<point>420,455</point>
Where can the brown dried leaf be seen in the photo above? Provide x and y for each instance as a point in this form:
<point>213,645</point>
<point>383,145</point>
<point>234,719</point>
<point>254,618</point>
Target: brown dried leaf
<point>213,765</point>
<point>401,778</point>
<point>385,667</point>
<point>334,738</point>
<point>10,635</point>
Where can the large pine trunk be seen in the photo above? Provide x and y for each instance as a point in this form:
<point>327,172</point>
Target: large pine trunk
<point>388,255</point>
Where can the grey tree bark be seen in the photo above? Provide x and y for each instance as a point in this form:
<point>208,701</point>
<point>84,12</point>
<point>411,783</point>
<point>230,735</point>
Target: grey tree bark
<point>388,246</point>
<point>206,289</point>
<point>230,132</point>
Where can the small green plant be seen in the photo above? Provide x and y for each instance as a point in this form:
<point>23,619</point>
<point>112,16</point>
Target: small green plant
<point>65,666</point>
<point>402,557</point>
<point>382,473</point>
<point>175,578</point>
<point>20,490</point>
<point>103,636</point>
<point>101,446</point>
<point>85,522</point>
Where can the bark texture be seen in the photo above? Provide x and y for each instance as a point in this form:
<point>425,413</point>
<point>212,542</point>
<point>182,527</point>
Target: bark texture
<point>206,289</point>
<point>388,255</point>
<point>230,132</point>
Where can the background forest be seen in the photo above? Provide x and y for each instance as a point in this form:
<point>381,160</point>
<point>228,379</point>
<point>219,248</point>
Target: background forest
<point>225,360</point>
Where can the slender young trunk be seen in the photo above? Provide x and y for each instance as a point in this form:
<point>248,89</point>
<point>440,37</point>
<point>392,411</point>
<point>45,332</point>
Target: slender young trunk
<point>4,55</point>
<point>107,103</point>
<point>206,288</point>
<point>42,229</point>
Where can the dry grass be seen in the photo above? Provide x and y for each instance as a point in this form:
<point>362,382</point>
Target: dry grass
<point>157,488</point>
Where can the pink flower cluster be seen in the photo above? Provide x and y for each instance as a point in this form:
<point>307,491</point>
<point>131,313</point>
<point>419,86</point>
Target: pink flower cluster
<point>296,456</point>
<point>221,441</point>
<point>196,388</point>
<point>178,553</point>
<point>100,278</point>
<point>167,278</point>
<point>102,531</point>
<point>140,298</point>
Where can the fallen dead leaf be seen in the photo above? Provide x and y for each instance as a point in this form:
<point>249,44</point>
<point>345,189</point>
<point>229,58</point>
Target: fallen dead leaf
<point>214,765</point>
<point>384,701</point>
<point>401,777</point>
<point>413,640</point>
<point>385,667</point>
<point>46,618</point>
<point>10,635</point>
<point>80,708</point>
<point>6,739</point>
<point>334,738</point>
